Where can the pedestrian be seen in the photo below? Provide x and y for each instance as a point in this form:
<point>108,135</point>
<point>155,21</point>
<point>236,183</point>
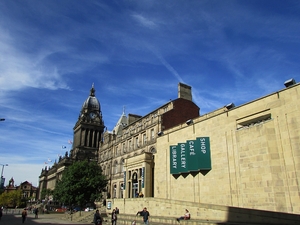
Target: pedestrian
<point>114,217</point>
<point>24,215</point>
<point>97,218</point>
<point>117,210</point>
<point>140,212</point>
<point>36,213</point>
<point>1,213</point>
<point>186,216</point>
<point>145,215</point>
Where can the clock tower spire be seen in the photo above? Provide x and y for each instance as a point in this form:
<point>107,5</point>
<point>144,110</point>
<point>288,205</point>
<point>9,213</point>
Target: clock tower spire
<point>88,130</point>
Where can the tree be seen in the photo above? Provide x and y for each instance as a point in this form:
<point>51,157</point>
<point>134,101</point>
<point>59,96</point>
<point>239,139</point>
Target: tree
<point>81,183</point>
<point>46,193</point>
<point>11,199</point>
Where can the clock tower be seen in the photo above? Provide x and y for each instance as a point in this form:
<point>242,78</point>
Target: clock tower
<point>88,130</point>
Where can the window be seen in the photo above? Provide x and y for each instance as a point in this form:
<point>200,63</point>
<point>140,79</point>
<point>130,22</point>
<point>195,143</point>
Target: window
<point>104,170</point>
<point>115,191</point>
<point>129,145</point>
<point>122,165</point>
<point>116,167</point>
<point>144,138</point>
<point>152,134</point>
<point>108,170</point>
<point>137,142</point>
<point>254,119</point>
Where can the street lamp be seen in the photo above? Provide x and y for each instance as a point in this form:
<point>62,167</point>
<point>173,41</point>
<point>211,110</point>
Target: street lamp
<point>2,179</point>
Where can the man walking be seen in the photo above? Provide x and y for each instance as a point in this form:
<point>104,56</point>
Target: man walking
<point>36,213</point>
<point>24,215</point>
<point>146,215</point>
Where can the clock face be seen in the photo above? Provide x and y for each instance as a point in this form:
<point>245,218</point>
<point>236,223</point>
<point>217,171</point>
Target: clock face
<point>93,115</point>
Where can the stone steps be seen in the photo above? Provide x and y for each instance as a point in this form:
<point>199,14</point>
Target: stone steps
<point>125,219</point>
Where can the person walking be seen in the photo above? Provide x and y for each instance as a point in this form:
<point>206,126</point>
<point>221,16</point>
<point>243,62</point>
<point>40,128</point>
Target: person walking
<point>145,215</point>
<point>36,213</point>
<point>114,217</point>
<point>24,215</point>
<point>97,218</point>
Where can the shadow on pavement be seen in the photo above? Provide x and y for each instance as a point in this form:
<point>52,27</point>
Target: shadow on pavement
<point>46,219</point>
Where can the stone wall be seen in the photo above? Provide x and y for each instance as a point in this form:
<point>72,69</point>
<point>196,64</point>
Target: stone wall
<point>255,154</point>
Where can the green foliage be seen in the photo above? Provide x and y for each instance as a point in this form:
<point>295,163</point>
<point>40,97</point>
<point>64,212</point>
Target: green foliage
<point>11,199</point>
<point>81,183</point>
<point>46,192</point>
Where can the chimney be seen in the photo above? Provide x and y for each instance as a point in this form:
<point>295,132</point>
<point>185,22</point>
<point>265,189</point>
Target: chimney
<point>184,91</point>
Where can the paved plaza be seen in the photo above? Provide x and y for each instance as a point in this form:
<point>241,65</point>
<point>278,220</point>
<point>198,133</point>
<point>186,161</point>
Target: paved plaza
<point>45,219</point>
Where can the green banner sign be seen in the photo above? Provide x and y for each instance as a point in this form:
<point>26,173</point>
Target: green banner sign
<point>143,176</point>
<point>124,185</point>
<point>184,157</point>
<point>204,158</point>
<point>174,160</point>
<point>192,148</point>
<point>192,156</point>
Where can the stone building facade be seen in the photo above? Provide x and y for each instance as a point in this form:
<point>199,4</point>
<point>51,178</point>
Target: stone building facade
<point>28,190</point>
<point>88,133</point>
<point>127,154</point>
<point>253,151</point>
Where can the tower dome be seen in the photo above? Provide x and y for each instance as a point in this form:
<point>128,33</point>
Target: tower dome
<point>91,103</point>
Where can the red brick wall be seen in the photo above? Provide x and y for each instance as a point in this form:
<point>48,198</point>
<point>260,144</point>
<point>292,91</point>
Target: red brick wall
<point>183,110</point>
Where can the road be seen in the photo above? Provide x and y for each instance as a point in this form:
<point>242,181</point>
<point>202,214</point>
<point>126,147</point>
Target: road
<point>45,219</point>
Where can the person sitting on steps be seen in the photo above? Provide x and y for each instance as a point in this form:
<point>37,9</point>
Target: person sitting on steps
<point>186,216</point>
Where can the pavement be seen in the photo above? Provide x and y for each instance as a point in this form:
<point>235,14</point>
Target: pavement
<point>45,219</point>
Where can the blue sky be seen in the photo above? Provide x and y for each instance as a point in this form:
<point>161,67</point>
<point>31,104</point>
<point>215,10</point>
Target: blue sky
<point>135,52</point>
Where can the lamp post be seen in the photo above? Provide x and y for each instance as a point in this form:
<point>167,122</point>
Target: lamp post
<point>2,179</point>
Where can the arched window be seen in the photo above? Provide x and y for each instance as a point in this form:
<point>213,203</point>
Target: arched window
<point>121,190</point>
<point>115,191</point>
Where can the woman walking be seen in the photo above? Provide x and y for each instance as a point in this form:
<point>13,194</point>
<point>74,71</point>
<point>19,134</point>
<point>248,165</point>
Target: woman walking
<point>114,217</point>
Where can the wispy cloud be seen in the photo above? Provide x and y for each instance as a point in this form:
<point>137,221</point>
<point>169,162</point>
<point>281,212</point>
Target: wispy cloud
<point>144,21</point>
<point>135,52</point>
